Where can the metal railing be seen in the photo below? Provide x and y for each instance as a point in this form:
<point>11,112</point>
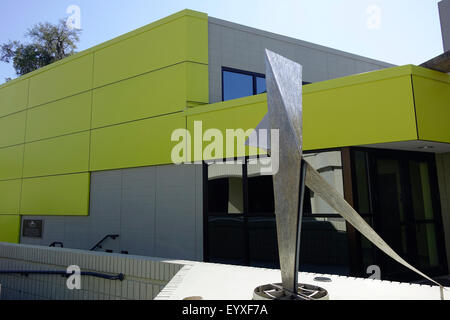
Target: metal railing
<point>119,276</point>
<point>99,244</point>
<point>53,244</point>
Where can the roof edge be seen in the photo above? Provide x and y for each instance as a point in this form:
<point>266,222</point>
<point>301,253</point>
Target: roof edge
<point>133,33</point>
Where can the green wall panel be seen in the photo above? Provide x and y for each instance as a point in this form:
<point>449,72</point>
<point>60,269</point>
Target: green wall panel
<point>164,43</point>
<point>197,37</point>
<point>432,99</point>
<point>62,80</point>
<point>361,113</point>
<point>61,117</point>
<point>155,93</point>
<point>12,129</point>
<point>10,196</point>
<point>139,143</point>
<point>244,113</point>
<point>197,82</point>
<point>61,155</point>
<point>56,195</point>
<point>9,228</point>
<point>11,162</point>
<point>13,97</point>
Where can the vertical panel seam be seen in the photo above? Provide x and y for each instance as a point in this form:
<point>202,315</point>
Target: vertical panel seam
<point>120,207</point>
<point>155,180</point>
<point>92,103</point>
<point>414,104</point>
<point>23,154</point>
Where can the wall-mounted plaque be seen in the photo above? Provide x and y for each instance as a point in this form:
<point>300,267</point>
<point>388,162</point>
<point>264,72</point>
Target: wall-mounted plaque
<point>32,228</point>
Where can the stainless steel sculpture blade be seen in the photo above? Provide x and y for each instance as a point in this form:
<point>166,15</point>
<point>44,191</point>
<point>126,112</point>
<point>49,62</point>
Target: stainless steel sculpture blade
<point>284,99</point>
<point>320,186</point>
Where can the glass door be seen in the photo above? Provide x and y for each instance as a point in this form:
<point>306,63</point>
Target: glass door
<point>390,207</point>
<point>423,216</point>
<point>397,193</point>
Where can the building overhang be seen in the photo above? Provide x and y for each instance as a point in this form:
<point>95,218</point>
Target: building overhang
<point>405,107</point>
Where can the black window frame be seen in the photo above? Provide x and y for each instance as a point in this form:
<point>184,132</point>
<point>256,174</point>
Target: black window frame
<point>254,75</point>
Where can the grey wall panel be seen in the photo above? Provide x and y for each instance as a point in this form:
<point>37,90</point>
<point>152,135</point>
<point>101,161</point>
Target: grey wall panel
<point>77,233</point>
<point>156,211</point>
<point>236,46</point>
<point>137,225</point>
<point>175,212</point>
<point>105,214</point>
<point>54,230</point>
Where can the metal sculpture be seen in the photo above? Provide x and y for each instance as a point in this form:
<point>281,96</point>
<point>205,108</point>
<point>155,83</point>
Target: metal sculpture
<point>284,99</point>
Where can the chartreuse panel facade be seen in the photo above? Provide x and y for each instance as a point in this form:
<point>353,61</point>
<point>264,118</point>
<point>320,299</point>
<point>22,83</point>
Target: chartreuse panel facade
<point>397,104</point>
<point>112,106</point>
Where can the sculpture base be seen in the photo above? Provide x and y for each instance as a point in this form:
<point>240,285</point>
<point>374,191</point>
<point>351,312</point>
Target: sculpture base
<point>276,292</point>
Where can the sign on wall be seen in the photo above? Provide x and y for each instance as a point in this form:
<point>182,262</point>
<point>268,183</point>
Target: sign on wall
<point>32,228</point>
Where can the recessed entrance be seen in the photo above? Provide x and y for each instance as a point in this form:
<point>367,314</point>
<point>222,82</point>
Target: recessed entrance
<point>397,193</point>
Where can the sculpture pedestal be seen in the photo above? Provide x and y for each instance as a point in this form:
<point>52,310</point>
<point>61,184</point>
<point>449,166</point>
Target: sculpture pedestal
<point>275,292</point>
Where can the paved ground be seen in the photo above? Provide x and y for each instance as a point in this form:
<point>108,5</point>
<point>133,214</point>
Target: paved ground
<point>227,282</point>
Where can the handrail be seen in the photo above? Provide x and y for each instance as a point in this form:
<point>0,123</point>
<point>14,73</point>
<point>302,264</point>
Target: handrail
<point>53,244</point>
<point>119,276</point>
<point>98,244</point>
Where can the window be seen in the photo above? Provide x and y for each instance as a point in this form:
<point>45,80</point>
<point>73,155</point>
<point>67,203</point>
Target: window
<point>226,236</point>
<point>329,165</point>
<point>240,217</point>
<point>236,85</point>
<point>239,83</point>
<point>260,85</point>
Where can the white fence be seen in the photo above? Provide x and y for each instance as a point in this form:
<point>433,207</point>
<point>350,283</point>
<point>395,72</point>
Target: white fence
<point>144,277</point>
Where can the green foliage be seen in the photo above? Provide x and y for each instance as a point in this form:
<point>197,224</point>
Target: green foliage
<point>49,43</point>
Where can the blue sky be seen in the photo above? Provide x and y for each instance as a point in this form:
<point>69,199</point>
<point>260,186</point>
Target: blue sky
<point>399,32</point>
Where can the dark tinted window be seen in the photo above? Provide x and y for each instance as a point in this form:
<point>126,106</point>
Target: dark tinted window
<point>239,83</point>
<point>218,195</point>
<point>260,195</point>
<point>236,85</point>
<point>260,85</point>
<point>226,239</point>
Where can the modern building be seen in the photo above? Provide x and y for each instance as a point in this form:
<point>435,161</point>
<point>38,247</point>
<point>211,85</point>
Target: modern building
<point>86,143</point>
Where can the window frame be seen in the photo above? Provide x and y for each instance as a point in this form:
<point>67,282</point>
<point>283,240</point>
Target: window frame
<point>254,75</point>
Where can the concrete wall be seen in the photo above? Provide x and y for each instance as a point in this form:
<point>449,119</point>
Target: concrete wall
<point>443,171</point>
<point>444,14</point>
<point>156,211</point>
<point>237,46</point>
<point>144,277</point>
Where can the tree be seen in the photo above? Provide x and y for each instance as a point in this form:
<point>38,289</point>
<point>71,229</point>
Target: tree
<point>49,43</point>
